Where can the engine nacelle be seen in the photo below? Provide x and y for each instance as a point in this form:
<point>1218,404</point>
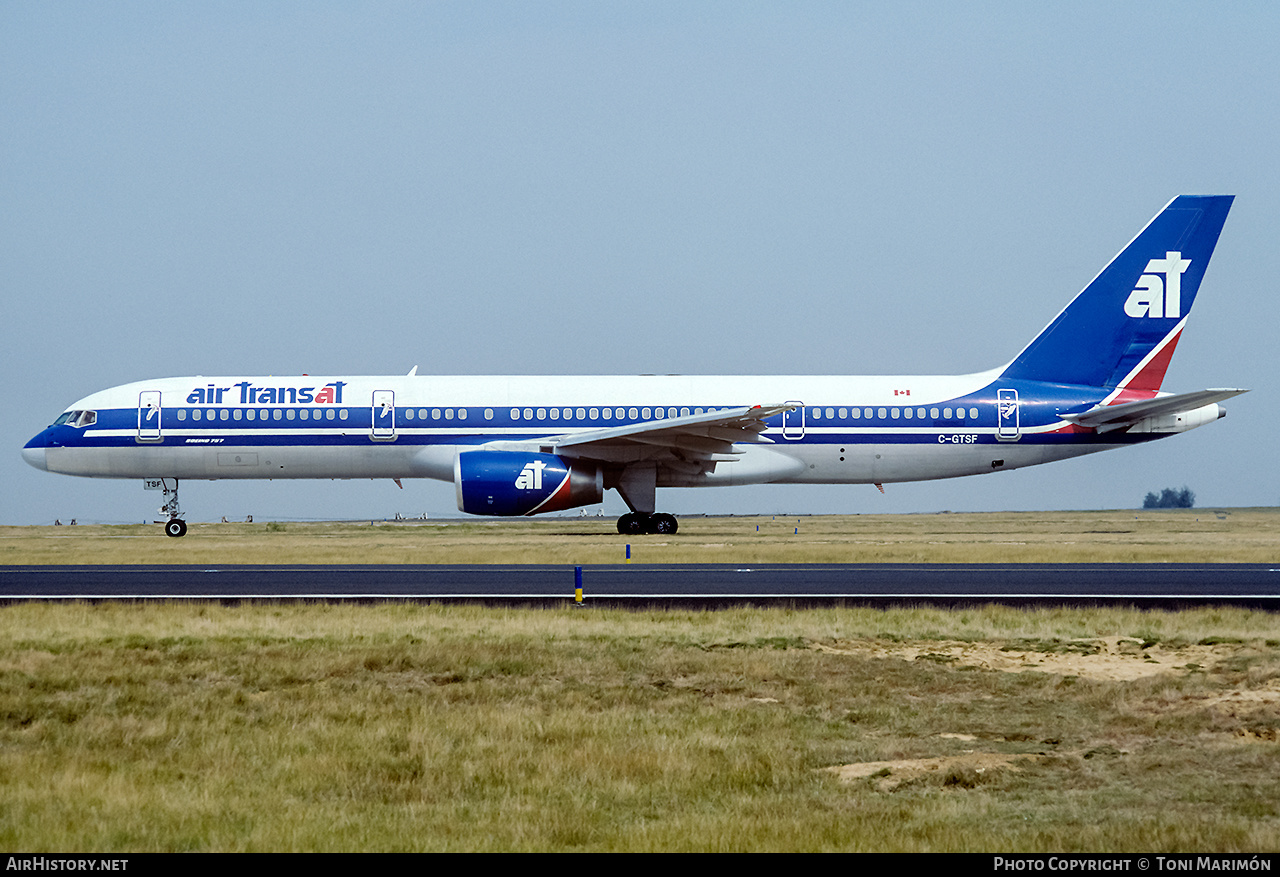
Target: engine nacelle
<point>515,483</point>
<point>1182,421</point>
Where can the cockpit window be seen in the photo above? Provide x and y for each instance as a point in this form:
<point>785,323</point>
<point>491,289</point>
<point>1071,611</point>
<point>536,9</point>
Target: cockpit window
<point>76,418</point>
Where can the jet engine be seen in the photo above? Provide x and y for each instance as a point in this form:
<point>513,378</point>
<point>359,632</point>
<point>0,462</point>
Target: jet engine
<point>515,483</point>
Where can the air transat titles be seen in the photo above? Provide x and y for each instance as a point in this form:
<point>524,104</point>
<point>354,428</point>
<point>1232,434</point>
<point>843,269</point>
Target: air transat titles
<point>329,394</point>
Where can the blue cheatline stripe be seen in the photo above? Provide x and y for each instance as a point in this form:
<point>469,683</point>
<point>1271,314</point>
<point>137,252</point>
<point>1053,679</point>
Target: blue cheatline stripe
<point>362,439</point>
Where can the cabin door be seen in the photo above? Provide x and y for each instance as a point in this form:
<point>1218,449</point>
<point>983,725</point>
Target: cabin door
<point>384,416</point>
<point>149,416</point>
<point>793,422</point>
<point>1008,427</point>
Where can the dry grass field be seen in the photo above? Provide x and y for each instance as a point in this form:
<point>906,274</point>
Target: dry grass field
<point>1237,535</point>
<point>129,727</point>
<point>135,727</point>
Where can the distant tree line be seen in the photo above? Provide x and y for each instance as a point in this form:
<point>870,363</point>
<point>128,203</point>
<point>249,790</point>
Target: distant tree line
<point>1169,498</point>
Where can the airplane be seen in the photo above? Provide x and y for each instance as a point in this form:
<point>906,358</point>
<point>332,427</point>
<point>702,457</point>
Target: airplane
<point>527,445</point>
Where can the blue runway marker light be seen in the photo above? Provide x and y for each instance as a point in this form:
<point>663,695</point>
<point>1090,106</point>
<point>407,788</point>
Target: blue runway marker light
<point>577,585</point>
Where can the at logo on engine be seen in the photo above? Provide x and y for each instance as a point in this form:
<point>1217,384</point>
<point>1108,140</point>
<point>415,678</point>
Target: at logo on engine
<point>530,477</point>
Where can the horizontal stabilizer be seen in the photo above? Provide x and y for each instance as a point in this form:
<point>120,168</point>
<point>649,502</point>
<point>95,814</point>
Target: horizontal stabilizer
<point>1107,417</point>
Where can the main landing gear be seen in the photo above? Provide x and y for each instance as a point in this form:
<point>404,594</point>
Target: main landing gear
<point>175,526</point>
<point>637,484</point>
<point>639,523</point>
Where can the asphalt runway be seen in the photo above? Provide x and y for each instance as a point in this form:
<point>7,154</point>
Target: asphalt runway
<point>1172,584</point>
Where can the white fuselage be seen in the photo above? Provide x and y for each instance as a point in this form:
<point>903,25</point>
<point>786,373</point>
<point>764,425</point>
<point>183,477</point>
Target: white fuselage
<point>845,429</point>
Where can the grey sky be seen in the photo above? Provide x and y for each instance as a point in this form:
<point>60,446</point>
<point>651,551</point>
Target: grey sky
<point>271,188</point>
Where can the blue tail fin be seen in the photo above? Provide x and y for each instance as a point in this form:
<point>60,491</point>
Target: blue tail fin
<point>1121,329</point>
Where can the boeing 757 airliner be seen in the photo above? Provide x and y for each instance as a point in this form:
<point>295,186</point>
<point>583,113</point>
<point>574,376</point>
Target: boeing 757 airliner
<point>528,445</point>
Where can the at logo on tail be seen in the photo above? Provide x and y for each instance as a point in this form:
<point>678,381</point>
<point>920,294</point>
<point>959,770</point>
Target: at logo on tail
<point>1154,297</point>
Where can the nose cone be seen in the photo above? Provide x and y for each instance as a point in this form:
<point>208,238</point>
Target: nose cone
<point>35,457</point>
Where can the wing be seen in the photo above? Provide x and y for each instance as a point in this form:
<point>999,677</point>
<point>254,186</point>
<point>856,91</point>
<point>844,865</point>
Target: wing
<point>693,443</point>
<point>1105,418</point>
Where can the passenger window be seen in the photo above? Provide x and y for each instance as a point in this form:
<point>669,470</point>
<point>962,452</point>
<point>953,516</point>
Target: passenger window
<point>644,414</point>
<point>973,412</point>
<point>595,413</point>
<point>342,415</point>
<point>195,413</point>
<point>542,414</point>
<point>288,412</point>
<point>224,414</point>
<point>581,414</point>
<point>633,414</point>
<point>906,413</point>
<point>448,414</point>
<point>488,414</point>
<point>946,413</point>
<point>515,413</point>
<point>882,413</point>
<point>182,414</point>
<point>237,414</point>
<point>555,413</point>
<point>408,414</point>
<point>894,414</point>
<point>462,414</point>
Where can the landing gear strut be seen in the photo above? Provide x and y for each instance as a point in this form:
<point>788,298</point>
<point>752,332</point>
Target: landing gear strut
<point>638,523</point>
<point>638,485</point>
<point>175,526</point>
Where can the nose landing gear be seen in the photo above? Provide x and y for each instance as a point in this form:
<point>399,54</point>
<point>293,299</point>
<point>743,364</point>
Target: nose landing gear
<point>175,526</point>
